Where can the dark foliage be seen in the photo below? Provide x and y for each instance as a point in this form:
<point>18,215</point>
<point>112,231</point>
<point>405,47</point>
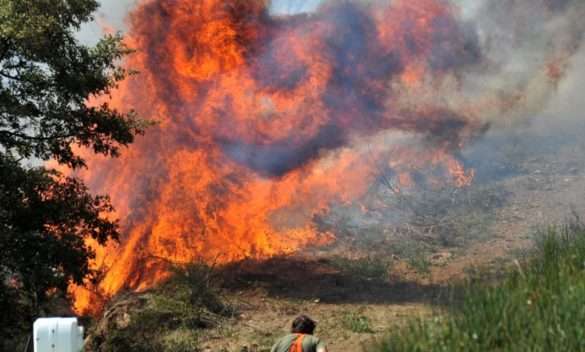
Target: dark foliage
<point>47,79</point>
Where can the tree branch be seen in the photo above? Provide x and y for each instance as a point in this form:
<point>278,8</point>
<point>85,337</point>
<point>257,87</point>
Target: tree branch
<point>4,48</point>
<point>14,78</point>
<point>35,138</point>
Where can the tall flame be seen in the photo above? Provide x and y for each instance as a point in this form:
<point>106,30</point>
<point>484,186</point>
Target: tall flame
<point>266,121</point>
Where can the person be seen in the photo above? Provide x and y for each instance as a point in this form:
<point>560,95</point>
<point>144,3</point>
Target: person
<point>301,338</point>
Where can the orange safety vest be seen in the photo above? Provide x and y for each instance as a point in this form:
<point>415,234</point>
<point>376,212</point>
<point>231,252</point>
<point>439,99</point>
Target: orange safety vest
<point>297,345</point>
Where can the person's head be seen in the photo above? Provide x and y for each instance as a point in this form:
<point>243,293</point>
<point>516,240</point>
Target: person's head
<point>303,325</point>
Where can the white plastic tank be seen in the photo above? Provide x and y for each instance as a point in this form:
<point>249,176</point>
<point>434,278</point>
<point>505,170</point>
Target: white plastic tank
<point>57,335</point>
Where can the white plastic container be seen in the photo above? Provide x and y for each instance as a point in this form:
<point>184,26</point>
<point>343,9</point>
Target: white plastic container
<point>57,335</point>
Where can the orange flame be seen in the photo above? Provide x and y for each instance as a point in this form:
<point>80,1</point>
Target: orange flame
<point>263,125</point>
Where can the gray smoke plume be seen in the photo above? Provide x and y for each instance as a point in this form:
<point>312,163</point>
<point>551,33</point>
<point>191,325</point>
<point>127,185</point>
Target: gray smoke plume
<point>529,48</point>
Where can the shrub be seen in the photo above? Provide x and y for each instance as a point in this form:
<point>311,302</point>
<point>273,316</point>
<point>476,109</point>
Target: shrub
<point>356,322</point>
<point>168,318</point>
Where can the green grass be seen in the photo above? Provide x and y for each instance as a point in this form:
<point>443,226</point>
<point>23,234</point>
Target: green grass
<point>356,322</point>
<point>420,263</point>
<point>538,306</point>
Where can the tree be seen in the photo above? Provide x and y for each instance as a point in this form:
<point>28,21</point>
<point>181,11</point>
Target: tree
<point>46,80</point>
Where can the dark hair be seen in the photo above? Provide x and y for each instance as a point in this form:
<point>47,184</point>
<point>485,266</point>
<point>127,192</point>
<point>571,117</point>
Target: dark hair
<point>303,325</point>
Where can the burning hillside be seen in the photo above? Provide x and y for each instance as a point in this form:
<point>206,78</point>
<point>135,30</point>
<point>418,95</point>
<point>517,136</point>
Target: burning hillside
<point>266,121</point>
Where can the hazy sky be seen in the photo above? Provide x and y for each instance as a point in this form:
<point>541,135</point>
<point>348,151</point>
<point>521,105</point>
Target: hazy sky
<point>111,12</point>
<point>114,11</point>
<point>294,6</point>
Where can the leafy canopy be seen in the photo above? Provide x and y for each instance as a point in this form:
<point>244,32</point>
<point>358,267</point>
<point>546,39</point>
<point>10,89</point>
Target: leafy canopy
<point>47,79</point>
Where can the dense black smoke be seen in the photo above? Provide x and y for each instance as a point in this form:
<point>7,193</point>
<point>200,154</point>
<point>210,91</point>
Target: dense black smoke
<point>358,92</point>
